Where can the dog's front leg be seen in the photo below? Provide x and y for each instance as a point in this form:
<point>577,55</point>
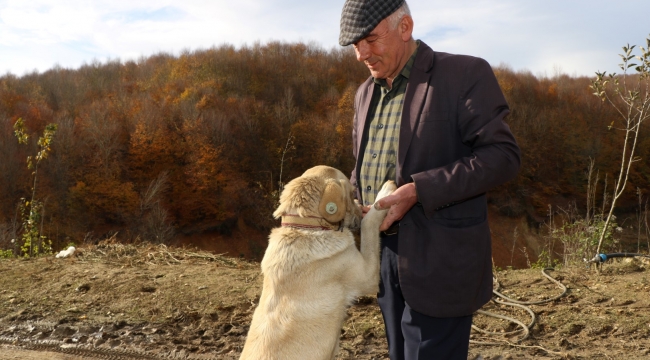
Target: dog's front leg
<point>370,240</point>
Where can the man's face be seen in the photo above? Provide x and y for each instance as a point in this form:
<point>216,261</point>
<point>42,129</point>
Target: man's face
<point>382,51</point>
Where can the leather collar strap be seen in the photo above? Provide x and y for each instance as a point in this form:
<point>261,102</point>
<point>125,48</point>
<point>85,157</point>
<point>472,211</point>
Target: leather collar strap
<point>309,222</point>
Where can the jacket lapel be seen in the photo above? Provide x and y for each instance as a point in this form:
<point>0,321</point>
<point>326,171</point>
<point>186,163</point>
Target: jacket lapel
<point>416,94</point>
<point>363,114</point>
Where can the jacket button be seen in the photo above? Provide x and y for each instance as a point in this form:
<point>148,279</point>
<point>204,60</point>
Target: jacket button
<point>369,188</point>
<point>374,156</point>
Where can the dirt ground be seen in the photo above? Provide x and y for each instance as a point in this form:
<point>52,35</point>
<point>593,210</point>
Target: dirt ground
<point>115,301</point>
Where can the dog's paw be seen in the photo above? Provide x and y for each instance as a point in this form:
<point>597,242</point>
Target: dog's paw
<point>387,189</point>
<point>375,216</point>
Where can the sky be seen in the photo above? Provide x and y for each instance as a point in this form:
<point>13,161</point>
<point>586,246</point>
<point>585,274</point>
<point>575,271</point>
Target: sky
<point>545,37</point>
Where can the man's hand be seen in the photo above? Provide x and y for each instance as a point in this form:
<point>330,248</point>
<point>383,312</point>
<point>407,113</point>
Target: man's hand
<point>399,202</point>
<point>364,210</point>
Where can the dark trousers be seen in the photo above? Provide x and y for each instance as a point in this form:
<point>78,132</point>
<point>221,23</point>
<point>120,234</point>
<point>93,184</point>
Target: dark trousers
<point>410,334</point>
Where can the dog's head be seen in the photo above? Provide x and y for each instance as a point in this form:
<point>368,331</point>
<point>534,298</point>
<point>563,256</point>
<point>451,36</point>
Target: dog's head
<point>321,191</point>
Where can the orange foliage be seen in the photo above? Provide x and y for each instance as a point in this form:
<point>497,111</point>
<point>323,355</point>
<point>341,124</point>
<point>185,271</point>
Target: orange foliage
<point>97,201</point>
<point>216,122</point>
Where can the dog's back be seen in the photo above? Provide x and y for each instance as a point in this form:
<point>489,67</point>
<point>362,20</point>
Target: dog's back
<point>299,314</point>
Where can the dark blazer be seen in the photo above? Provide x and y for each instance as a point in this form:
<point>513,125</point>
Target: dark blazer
<point>455,146</point>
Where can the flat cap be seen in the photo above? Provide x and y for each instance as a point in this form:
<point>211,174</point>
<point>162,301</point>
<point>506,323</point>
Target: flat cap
<point>359,18</point>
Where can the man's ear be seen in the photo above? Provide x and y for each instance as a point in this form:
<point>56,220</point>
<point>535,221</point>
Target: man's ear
<point>406,27</point>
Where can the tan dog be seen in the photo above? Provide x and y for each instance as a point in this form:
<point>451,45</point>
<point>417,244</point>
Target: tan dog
<point>312,268</point>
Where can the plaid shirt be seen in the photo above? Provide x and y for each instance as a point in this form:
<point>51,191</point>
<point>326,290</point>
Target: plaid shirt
<point>385,114</point>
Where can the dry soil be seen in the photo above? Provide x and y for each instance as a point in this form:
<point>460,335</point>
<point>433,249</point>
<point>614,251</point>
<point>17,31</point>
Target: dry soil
<point>114,301</point>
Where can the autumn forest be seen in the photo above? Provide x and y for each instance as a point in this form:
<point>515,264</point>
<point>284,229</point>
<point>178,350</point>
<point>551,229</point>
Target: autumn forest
<point>200,142</point>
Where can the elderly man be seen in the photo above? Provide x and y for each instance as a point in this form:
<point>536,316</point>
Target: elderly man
<point>434,123</point>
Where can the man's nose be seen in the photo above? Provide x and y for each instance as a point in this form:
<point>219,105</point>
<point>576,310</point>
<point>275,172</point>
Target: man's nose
<point>361,48</point>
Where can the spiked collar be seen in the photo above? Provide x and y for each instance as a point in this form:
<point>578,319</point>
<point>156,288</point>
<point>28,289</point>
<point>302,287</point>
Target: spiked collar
<point>309,223</point>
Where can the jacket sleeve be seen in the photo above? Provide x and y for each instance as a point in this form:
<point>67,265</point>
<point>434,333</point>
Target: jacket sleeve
<point>495,156</point>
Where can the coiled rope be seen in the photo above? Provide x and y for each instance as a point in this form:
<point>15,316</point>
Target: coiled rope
<point>525,329</point>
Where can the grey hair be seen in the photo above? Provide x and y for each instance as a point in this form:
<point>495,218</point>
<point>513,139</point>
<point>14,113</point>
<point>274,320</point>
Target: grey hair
<point>397,15</point>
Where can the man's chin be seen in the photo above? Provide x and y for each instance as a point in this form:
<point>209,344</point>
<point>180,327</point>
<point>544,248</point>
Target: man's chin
<point>377,74</point>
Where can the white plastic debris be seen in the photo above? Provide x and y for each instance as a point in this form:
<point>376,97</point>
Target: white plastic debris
<point>66,253</point>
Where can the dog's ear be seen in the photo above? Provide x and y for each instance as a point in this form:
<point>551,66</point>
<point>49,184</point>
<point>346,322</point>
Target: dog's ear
<point>332,205</point>
<point>299,195</point>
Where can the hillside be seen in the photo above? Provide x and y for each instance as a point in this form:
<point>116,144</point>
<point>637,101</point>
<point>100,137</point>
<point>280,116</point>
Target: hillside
<point>171,148</point>
<point>116,301</point>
